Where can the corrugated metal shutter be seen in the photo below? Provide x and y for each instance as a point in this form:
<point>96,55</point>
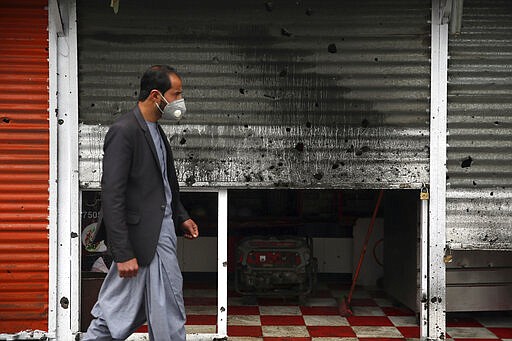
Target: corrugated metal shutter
<point>286,93</point>
<point>479,196</point>
<point>24,162</point>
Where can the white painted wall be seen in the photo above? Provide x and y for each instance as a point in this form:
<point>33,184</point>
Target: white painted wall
<point>334,255</point>
<point>370,269</point>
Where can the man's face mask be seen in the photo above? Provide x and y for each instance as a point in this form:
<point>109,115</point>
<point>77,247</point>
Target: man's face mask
<point>174,110</point>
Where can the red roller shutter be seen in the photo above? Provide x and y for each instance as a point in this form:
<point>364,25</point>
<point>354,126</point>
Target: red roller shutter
<point>24,165</point>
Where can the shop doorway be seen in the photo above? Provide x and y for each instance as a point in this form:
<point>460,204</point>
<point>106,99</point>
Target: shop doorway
<point>336,224</point>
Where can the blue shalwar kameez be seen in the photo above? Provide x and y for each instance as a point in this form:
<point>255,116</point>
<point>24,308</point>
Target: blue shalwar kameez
<point>154,295</point>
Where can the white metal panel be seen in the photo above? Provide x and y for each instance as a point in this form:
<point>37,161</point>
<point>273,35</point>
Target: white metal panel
<point>68,257</point>
<point>424,269</point>
<point>437,207</point>
<point>54,25</point>
<point>222,269</point>
<point>334,255</point>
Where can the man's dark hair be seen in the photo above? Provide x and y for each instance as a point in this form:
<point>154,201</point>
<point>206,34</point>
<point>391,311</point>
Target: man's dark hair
<point>156,77</point>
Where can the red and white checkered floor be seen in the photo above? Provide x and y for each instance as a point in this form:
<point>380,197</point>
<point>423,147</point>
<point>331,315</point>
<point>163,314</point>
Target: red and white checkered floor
<point>376,317</point>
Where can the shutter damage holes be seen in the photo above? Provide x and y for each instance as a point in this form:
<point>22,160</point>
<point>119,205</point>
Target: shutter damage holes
<point>64,302</point>
<point>299,147</point>
<point>285,32</point>
<point>6,120</point>
<point>318,176</point>
<point>269,6</point>
<point>467,162</point>
<point>332,48</point>
<point>190,180</point>
<point>362,150</point>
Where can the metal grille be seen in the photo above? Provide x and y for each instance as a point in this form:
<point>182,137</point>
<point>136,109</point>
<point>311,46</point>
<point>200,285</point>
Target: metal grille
<point>24,162</point>
<point>479,194</point>
<point>292,93</point>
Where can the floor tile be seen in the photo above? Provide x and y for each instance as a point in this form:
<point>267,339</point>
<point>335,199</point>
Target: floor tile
<point>409,332</point>
<point>380,338</point>
<point>201,310</point>
<point>199,292</point>
<point>201,319</point>
<point>367,311</point>
<point>321,302</point>
<point>334,339</point>
<point>397,311</point>
<point>369,321</point>
<point>503,333</point>
<point>365,302</point>
<point>340,331</point>
<point>378,332</point>
<point>281,338</point>
<point>200,301</point>
<point>281,320</point>
<point>201,329</point>
<point>143,329</point>
<point>376,317</point>
<point>280,310</point>
<point>253,331</point>
<point>384,302</point>
<point>319,310</point>
<point>473,339</point>
<point>240,301</point>
<point>323,320</point>
<point>284,331</point>
<point>276,301</point>
<point>404,321</point>
<point>470,332</point>
<point>244,320</point>
<point>243,310</point>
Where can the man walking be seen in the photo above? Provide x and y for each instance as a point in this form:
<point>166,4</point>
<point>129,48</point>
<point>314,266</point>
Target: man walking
<point>140,207</point>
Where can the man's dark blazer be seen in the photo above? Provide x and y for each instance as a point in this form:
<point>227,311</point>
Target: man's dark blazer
<point>133,194</point>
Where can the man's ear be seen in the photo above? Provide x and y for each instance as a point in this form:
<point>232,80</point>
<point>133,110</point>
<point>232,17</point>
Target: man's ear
<point>154,94</point>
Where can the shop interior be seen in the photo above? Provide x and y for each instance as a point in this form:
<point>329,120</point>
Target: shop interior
<point>295,248</point>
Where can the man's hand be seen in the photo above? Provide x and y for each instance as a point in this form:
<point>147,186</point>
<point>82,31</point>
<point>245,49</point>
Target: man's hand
<point>128,268</point>
<point>190,229</point>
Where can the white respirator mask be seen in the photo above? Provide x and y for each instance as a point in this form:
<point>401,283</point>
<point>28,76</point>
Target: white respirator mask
<point>174,110</point>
